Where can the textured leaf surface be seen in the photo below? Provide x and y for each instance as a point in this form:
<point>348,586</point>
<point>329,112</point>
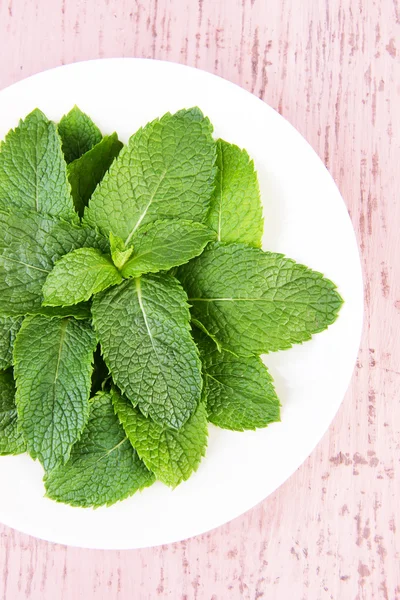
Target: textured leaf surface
<point>236,211</point>
<point>256,301</point>
<point>143,328</point>
<point>161,245</point>
<point>166,171</point>
<point>9,327</point>
<point>78,134</point>
<point>78,275</point>
<point>119,252</point>
<point>11,440</point>
<point>239,390</point>
<point>86,172</point>
<point>33,173</point>
<point>30,244</point>
<point>171,455</point>
<point>53,368</point>
<point>103,468</point>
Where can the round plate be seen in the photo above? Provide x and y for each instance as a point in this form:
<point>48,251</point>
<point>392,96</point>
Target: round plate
<point>305,218</point>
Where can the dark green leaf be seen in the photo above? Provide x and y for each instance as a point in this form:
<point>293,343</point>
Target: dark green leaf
<point>9,327</point>
<point>103,468</point>
<point>33,173</point>
<point>167,170</point>
<point>11,440</point>
<point>86,172</point>
<point>143,328</point>
<point>30,245</point>
<point>53,368</point>
<point>78,134</point>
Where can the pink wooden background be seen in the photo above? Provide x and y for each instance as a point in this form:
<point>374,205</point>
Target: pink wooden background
<point>332,68</point>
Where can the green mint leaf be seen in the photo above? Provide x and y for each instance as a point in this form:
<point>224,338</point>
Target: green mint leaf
<point>236,211</point>
<point>144,332</point>
<point>30,244</point>
<point>77,276</point>
<point>200,326</point>
<point>11,440</point>
<point>53,368</point>
<point>119,252</point>
<point>103,467</point>
<point>165,171</point>
<point>78,311</point>
<point>9,327</point>
<point>78,134</point>
<point>171,455</point>
<point>254,301</point>
<point>161,245</point>
<point>239,390</point>
<point>86,172</point>
<point>33,173</point>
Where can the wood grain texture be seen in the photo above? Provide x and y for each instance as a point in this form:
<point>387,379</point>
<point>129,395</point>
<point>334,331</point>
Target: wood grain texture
<point>331,67</point>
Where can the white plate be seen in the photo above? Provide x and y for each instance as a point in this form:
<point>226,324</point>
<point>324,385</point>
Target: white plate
<point>305,218</point>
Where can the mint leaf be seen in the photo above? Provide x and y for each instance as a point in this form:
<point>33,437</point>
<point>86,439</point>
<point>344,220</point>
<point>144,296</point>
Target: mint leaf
<point>119,252</point>
<point>103,468</point>
<point>9,327</point>
<point>161,245</point>
<point>86,172</point>
<point>78,134</point>
<point>236,211</point>
<point>171,455</point>
<point>30,244</point>
<point>239,390</point>
<point>165,171</point>
<point>77,276</point>
<point>143,328</point>
<point>78,311</point>
<point>254,301</point>
<point>33,173</point>
<point>53,367</point>
<point>11,440</point>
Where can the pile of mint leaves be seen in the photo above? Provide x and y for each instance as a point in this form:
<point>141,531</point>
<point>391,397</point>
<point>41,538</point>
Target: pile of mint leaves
<point>135,301</point>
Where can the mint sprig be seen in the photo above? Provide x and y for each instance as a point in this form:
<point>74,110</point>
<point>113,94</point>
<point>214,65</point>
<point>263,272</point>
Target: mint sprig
<point>135,301</point>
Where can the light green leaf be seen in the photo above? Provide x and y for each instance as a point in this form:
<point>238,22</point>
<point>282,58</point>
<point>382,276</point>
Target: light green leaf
<point>78,134</point>
<point>161,245</point>
<point>86,172</point>
<point>53,367</point>
<point>11,440</point>
<point>9,327</point>
<point>171,455</point>
<point>77,276</point>
<point>254,301</point>
<point>103,468</point>
<point>143,328</point>
<point>166,171</point>
<point>33,173</point>
<point>119,252</point>
<point>236,211</point>
<point>30,244</point>
<point>239,390</point>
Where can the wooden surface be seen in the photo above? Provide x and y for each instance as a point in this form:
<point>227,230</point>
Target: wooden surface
<point>331,67</point>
